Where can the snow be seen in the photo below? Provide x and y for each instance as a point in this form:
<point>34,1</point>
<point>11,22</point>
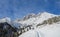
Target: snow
<point>30,33</point>
<point>38,19</point>
<point>6,19</point>
<point>52,30</point>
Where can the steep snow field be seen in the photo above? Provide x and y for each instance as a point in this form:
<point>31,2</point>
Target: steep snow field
<point>52,30</point>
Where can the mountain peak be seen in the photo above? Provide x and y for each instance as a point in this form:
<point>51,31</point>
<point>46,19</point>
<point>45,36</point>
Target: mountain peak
<point>5,19</point>
<point>29,16</point>
<point>45,13</point>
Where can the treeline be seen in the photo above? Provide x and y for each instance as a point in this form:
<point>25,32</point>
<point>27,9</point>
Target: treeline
<point>50,21</point>
<point>25,29</point>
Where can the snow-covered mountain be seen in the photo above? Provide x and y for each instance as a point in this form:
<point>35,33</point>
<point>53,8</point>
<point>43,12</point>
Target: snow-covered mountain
<point>48,25</point>
<point>43,24</point>
<point>35,19</point>
<point>5,19</point>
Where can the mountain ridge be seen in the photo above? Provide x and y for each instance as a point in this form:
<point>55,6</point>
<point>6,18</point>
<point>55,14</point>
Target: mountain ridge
<point>39,18</point>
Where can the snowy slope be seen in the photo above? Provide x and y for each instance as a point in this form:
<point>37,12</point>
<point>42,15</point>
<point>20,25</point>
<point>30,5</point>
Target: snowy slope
<point>48,30</point>
<point>39,18</point>
<point>30,33</point>
<point>52,30</point>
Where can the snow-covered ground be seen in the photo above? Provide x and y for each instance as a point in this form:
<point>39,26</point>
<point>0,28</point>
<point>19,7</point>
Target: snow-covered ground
<point>52,30</point>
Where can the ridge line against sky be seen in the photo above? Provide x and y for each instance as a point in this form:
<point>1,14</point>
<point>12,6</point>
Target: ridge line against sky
<point>19,8</point>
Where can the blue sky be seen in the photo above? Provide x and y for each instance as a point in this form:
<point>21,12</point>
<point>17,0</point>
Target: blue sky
<point>19,8</point>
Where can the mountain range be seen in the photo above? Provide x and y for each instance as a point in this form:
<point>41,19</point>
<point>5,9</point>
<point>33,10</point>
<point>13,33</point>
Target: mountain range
<point>43,24</point>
